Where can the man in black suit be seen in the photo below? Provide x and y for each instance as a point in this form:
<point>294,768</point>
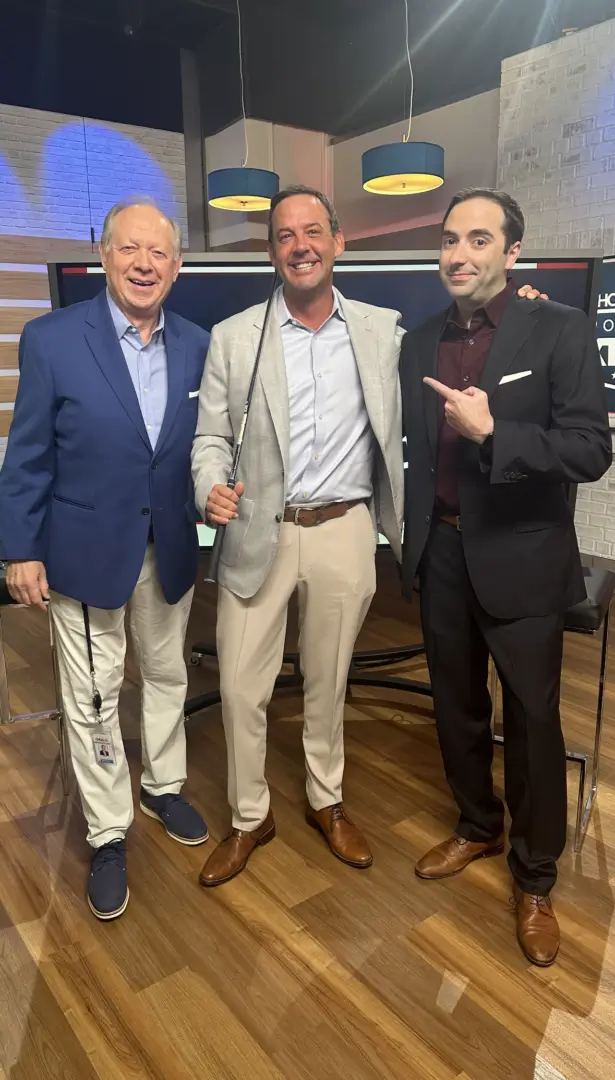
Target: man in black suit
<point>503,408</point>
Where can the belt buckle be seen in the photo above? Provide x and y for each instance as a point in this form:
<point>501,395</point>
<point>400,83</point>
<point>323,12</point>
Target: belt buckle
<point>318,519</point>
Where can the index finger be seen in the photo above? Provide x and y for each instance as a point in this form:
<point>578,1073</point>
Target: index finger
<point>440,388</point>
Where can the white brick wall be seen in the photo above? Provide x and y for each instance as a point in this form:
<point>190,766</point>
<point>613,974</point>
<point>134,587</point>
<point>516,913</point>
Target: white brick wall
<point>556,148</point>
<point>60,174</point>
<point>556,154</point>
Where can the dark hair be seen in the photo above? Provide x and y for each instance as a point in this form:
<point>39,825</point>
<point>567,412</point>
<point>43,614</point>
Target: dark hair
<point>514,222</point>
<point>301,189</point>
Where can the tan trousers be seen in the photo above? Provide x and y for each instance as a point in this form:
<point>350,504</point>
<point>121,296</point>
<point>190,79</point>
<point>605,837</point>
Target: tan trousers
<point>158,632</point>
<point>333,568</point>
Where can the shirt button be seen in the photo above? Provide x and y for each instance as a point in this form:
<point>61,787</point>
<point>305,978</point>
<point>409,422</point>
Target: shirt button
<point>305,495</point>
<point>278,517</point>
<point>432,471</point>
<point>145,389</point>
<point>149,427</point>
<point>320,416</point>
<point>315,457</point>
<point>471,341</point>
<point>319,375</point>
<point>145,511</point>
<point>466,378</point>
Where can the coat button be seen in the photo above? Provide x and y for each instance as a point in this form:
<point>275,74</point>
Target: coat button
<point>154,464</point>
<point>278,517</point>
<point>145,511</point>
<point>432,471</point>
<point>427,518</point>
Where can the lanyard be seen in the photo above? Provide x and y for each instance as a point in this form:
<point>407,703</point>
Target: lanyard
<point>96,696</point>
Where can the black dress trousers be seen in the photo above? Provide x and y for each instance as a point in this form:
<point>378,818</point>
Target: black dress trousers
<point>459,635</point>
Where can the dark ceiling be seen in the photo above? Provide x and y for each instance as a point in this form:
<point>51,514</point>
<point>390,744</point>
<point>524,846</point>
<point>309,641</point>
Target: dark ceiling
<point>332,65</point>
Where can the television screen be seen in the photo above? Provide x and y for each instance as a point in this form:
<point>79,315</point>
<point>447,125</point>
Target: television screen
<point>606,330</point>
<point>212,288</point>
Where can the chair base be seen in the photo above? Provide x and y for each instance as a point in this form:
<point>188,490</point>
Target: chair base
<point>361,661</point>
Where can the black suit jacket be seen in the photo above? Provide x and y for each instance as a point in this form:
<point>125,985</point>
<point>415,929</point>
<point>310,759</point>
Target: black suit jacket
<point>551,430</point>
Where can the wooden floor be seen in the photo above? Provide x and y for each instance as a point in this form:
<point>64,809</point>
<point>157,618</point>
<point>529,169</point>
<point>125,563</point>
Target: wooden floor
<point>301,968</point>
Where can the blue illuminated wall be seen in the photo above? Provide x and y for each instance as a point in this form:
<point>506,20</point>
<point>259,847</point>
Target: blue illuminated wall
<point>60,174</point>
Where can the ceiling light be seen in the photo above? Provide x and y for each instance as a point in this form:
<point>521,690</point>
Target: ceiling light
<point>404,168</point>
<point>242,188</point>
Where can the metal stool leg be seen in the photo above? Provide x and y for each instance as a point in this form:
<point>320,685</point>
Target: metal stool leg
<point>585,812</point>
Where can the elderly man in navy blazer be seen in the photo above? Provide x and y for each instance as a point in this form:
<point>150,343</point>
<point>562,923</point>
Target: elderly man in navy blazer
<point>97,515</point>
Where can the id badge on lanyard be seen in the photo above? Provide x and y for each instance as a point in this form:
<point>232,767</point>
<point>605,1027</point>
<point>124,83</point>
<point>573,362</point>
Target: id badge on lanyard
<point>102,740</point>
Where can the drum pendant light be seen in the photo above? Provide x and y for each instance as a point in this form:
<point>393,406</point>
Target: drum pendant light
<point>244,189</point>
<point>404,168</point>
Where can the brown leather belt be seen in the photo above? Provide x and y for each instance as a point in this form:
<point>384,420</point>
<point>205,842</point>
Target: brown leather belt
<point>451,519</point>
<point>306,516</point>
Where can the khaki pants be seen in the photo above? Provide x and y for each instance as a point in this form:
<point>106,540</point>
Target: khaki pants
<point>158,632</point>
<point>333,568</point>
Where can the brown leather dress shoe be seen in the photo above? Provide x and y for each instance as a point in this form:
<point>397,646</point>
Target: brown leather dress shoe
<point>342,836</point>
<point>453,855</point>
<point>232,854</point>
<point>537,928</point>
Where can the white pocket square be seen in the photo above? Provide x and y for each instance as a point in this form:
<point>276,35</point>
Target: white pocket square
<point>513,378</point>
<point>193,393</point>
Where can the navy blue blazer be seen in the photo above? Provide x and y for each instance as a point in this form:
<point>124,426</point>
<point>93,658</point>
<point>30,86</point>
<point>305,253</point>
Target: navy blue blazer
<point>80,485</point>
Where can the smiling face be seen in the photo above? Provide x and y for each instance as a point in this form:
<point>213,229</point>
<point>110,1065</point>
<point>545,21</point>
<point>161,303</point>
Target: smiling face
<point>140,262</point>
<point>304,249</point>
<point>474,262</point>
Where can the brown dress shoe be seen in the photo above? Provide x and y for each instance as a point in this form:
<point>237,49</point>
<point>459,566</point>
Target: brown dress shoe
<point>342,836</point>
<point>232,854</point>
<point>453,855</point>
<point>537,928</point>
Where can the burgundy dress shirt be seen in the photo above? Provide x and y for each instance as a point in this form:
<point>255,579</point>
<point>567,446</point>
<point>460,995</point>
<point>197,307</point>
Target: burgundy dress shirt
<point>461,357</point>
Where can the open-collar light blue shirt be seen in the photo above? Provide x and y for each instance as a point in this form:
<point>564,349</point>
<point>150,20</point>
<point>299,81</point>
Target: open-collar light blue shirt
<point>147,365</point>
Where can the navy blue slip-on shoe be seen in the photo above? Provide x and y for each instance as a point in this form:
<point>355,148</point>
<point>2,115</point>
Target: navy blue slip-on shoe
<point>181,821</point>
<point>107,887</point>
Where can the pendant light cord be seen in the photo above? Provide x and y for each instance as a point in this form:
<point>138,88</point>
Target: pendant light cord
<point>243,97</point>
<point>407,136</point>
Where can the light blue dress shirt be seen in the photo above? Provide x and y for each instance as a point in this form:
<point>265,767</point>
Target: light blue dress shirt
<point>147,365</point>
<point>331,439</point>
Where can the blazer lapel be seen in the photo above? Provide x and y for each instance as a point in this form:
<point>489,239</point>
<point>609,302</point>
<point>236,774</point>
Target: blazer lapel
<point>515,327</point>
<point>428,346</point>
<point>365,347</point>
<point>176,377</point>
<point>102,339</point>
<point>272,377</point>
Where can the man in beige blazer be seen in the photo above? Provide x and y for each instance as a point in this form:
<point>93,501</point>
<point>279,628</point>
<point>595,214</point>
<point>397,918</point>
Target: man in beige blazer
<point>321,472</point>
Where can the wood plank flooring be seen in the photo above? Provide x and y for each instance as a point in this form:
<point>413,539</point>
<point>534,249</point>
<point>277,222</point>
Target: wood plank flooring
<point>301,968</point>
